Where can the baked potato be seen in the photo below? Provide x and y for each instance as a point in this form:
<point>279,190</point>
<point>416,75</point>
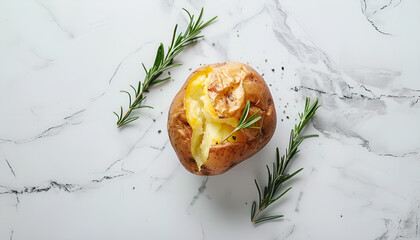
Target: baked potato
<point>207,109</point>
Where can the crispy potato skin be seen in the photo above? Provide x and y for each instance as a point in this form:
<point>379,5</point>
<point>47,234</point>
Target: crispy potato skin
<point>223,157</point>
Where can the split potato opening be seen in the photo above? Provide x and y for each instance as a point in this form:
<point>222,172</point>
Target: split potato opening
<point>208,129</point>
<point>207,109</point>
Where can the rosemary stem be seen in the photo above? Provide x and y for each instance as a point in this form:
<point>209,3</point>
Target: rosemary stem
<point>127,114</point>
<point>228,136</point>
<point>278,175</point>
<point>131,108</point>
<point>144,88</point>
<point>256,214</point>
<point>161,64</point>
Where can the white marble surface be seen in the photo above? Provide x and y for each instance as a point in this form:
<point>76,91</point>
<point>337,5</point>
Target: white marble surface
<point>66,171</point>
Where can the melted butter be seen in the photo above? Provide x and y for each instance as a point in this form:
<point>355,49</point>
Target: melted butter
<point>208,128</point>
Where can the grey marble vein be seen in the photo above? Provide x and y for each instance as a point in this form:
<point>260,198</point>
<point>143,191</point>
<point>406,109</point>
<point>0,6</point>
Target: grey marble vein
<point>298,201</point>
<point>135,146</point>
<point>161,181</point>
<point>54,19</point>
<point>17,201</point>
<point>10,167</point>
<point>370,21</point>
<point>366,181</point>
<point>363,142</point>
<point>107,178</point>
<point>155,180</point>
<point>43,188</point>
<point>203,234</point>
<point>354,95</point>
<point>407,227</point>
<point>125,58</point>
<point>246,20</point>
<point>291,232</point>
<point>73,119</point>
<point>366,144</point>
<point>220,43</point>
<point>200,191</point>
<point>70,120</point>
<point>66,187</point>
<point>369,11</point>
<point>302,51</point>
<point>384,235</point>
<point>47,61</point>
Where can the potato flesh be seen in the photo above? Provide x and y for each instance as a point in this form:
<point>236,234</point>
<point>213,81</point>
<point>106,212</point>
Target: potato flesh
<point>208,128</point>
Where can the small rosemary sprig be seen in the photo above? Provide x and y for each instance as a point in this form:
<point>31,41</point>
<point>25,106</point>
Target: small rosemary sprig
<point>245,122</point>
<point>277,176</point>
<point>162,63</point>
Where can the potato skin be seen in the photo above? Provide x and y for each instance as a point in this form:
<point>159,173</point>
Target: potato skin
<point>223,157</point>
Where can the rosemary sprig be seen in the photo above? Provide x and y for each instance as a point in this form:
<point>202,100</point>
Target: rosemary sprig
<point>245,122</point>
<point>162,63</point>
<point>277,175</point>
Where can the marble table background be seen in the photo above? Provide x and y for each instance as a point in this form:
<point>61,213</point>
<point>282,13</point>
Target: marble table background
<point>67,172</point>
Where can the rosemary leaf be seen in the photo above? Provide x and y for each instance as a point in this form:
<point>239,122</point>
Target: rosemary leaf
<point>268,218</point>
